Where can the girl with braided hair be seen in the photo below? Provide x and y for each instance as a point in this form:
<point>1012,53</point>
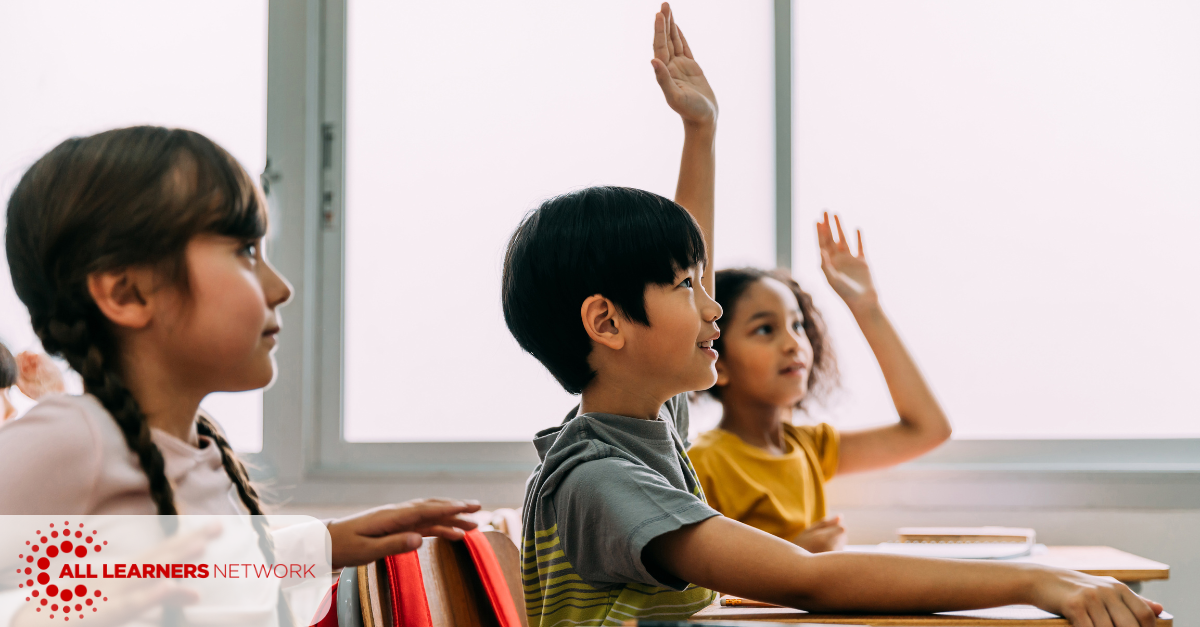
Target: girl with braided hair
<point>138,253</point>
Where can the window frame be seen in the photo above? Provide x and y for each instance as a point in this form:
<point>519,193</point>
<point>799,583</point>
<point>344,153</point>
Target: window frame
<point>306,458</point>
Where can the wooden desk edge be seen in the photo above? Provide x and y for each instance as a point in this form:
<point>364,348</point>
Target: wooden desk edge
<point>1131,575</point>
<point>768,615</point>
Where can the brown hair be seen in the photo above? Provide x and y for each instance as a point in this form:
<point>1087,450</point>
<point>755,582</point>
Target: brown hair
<point>732,283</point>
<point>122,198</point>
<point>8,368</point>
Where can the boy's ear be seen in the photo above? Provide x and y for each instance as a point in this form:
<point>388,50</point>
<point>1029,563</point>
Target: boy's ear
<point>601,322</point>
<point>123,296</point>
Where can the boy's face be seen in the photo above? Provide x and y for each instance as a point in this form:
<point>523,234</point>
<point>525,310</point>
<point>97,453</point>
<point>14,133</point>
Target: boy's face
<point>675,354</point>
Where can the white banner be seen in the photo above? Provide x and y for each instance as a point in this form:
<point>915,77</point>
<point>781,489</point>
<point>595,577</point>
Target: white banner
<point>151,570</point>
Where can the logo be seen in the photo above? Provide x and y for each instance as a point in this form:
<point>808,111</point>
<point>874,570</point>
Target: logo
<point>56,550</point>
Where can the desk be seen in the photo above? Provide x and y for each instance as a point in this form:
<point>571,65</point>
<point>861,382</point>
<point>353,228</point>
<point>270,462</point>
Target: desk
<point>1010,616</point>
<point>1101,561</point>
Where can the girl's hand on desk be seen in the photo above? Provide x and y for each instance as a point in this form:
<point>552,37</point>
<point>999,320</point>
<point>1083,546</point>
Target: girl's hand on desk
<point>391,529</point>
<point>680,77</point>
<point>847,273</point>
<point>1089,601</point>
<point>822,536</point>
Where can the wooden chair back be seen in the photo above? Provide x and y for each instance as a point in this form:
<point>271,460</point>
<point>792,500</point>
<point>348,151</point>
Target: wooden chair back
<point>453,587</point>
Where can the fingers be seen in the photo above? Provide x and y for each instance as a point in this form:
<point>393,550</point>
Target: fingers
<point>445,531</point>
<point>669,32</point>
<point>831,521</point>
<point>860,250</point>
<point>676,39</point>
<point>1143,610</point>
<point>1120,613</point>
<point>405,517</point>
<point>395,544</point>
<point>661,49</point>
<point>1099,614</point>
<point>842,245</point>
<point>824,235</point>
<point>665,82</point>
<point>687,50</point>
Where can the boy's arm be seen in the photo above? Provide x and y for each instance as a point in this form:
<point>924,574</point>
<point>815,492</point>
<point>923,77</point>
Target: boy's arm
<point>688,94</point>
<point>727,556</point>
<point>923,425</point>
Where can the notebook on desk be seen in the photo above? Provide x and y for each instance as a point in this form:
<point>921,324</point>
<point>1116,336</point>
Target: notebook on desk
<point>958,543</point>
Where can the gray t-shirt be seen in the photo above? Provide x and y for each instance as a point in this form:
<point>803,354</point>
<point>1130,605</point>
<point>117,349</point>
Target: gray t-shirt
<point>606,487</point>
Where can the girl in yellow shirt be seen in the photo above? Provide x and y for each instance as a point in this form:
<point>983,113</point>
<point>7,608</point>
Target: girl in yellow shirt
<point>756,466</point>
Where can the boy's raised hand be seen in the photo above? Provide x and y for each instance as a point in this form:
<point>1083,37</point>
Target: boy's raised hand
<point>680,77</point>
<point>847,273</point>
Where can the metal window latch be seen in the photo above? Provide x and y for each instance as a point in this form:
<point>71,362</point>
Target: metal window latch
<point>327,179</point>
<point>267,177</point>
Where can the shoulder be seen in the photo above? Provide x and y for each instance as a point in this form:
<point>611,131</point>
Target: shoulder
<point>709,445</point>
<point>58,423</point>
<point>818,435</point>
<point>821,442</point>
<point>60,437</point>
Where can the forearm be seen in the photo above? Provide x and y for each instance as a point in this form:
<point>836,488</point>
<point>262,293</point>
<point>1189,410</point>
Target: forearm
<point>696,189</point>
<point>918,408</point>
<point>733,558</point>
<point>840,581</point>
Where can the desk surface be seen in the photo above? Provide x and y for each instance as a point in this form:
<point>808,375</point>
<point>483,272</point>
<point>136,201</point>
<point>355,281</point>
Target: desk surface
<point>1102,561</point>
<point>1010,616</point>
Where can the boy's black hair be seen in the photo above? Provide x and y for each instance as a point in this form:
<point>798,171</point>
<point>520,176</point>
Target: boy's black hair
<point>613,241</point>
<point>8,368</point>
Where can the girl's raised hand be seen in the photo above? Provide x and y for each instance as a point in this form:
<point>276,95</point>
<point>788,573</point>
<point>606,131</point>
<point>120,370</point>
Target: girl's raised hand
<point>847,273</point>
<point>38,376</point>
<point>391,529</point>
<point>680,77</point>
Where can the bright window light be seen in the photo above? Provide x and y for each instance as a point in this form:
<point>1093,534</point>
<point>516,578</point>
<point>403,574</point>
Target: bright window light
<point>463,116</point>
<point>1025,177</point>
<point>75,67</point>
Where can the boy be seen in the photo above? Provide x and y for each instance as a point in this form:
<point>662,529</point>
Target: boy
<point>610,289</point>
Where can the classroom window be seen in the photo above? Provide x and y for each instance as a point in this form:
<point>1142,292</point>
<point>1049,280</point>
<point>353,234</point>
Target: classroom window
<point>1025,176</point>
<point>77,67</point>
<point>459,119</point>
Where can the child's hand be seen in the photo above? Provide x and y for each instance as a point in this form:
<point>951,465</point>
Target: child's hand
<point>847,273</point>
<point>826,535</point>
<point>391,529</point>
<point>38,376</point>
<point>1087,600</point>
<point>680,77</point>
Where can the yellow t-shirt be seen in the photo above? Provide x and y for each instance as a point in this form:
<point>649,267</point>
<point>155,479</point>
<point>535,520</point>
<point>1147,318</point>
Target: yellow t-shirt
<point>780,494</point>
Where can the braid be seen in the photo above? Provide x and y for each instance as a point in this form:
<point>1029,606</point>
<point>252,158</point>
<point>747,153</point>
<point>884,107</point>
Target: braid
<point>237,473</point>
<point>241,479</point>
<point>85,351</point>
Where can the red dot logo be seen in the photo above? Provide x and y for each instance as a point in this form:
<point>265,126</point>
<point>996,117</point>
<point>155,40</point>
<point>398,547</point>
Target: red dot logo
<point>58,555</point>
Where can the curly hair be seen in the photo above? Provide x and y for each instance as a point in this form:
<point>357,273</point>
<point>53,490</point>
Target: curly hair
<point>127,197</point>
<point>731,284</point>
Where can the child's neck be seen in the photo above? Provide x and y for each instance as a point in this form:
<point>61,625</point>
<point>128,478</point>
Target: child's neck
<point>757,424</point>
<point>620,398</point>
<point>168,404</point>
